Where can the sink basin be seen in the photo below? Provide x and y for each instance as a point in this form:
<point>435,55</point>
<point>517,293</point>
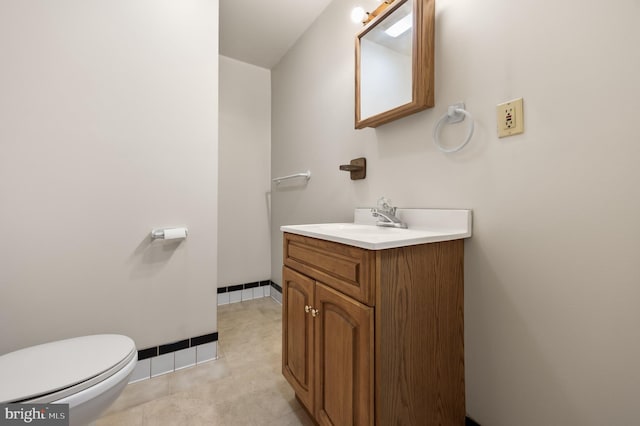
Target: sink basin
<point>424,226</point>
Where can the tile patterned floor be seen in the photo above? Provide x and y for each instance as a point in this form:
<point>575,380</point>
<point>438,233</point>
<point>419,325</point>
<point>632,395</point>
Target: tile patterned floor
<point>243,387</point>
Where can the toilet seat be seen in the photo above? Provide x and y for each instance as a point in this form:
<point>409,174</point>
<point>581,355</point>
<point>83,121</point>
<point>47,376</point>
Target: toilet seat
<point>53,371</point>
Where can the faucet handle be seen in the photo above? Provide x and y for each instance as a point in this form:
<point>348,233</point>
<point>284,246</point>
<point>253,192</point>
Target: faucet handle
<point>384,204</point>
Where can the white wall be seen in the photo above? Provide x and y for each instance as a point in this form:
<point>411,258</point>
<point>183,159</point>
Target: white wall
<point>245,169</point>
<point>551,283</point>
<point>108,128</point>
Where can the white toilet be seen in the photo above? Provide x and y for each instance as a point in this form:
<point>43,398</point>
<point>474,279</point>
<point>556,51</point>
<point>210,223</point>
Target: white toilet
<point>88,373</point>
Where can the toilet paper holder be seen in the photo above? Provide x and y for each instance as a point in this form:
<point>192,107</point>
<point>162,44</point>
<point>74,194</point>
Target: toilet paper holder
<point>169,233</point>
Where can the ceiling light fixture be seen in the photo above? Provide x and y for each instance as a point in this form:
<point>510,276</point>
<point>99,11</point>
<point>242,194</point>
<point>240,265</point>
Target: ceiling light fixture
<point>357,14</point>
<point>366,17</point>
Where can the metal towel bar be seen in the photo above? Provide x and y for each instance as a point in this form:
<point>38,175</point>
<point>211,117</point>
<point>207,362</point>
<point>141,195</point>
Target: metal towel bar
<point>306,175</point>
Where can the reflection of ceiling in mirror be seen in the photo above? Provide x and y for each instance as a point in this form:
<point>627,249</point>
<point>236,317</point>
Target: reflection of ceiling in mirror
<point>400,44</point>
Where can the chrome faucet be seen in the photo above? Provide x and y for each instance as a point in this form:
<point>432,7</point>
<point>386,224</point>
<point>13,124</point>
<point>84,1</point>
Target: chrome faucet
<point>386,214</point>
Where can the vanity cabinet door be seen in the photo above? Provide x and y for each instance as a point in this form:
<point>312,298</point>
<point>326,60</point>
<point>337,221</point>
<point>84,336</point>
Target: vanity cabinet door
<point>297,334</point>
<point>344,365</point>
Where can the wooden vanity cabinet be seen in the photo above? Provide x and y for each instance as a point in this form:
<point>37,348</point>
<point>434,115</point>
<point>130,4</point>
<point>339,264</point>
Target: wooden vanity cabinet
<point>374,337</point>
<point>297,342</point>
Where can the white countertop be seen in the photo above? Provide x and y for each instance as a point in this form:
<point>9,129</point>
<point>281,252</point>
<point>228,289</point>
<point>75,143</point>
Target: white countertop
<point>424,226</point>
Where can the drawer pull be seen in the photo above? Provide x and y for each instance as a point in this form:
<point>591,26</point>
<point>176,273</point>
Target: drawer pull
<point>307,308</point>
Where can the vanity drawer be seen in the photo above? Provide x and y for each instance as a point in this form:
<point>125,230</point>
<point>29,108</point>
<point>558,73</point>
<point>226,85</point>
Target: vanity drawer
<point>348,269</point>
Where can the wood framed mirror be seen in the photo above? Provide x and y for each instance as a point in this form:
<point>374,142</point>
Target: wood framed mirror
<point>394,63</point>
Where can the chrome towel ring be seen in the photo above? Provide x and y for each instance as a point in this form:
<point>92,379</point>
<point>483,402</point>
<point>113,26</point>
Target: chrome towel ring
<point>455,114</point>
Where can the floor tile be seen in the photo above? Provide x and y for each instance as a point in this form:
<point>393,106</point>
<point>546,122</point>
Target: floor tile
<point>244,386</point>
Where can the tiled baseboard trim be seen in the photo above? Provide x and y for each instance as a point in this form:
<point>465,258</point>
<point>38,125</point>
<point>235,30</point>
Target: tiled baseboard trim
<point>241,292</point>
<point>169,357</point>
<point>276,286</point>
<point>276,292</point>
<point>243,286</point>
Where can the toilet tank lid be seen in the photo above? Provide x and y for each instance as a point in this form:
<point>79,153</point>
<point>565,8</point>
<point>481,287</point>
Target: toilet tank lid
<point>46,368</point>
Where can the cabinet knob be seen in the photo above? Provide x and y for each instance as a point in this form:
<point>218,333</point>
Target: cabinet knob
<point>307,308</point>
<point>315,312</point>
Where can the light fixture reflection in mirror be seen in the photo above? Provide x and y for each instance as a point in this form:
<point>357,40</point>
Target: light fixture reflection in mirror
<point>401,26</point>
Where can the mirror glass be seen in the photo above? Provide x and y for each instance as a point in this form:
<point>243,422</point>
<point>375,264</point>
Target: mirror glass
<point>394,64</point>
<point>385,53</point>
